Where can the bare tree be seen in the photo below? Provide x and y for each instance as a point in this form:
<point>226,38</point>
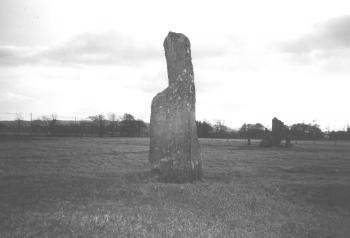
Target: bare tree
<point>50,123</point>
<point>245,132</point>
<point>112,117</point>
<point>221,131</point>
<point>128,117</point>
<point>99,120</point>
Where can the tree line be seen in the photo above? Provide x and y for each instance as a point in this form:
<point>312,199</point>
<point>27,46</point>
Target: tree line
<point>127,126</point>
<point>298,131</point>
<point>96,125</point>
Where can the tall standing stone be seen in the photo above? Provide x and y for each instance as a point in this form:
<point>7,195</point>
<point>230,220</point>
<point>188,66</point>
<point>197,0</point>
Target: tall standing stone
<point>174,147</point>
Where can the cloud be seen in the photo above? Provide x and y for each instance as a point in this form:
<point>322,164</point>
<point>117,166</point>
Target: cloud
<point>85,49</point>
<point>94,49</point>
<point>329,42</point>
<point>329,36</point>
<point>13,55</point>
<point>207,52</point>
<point>105,48</point>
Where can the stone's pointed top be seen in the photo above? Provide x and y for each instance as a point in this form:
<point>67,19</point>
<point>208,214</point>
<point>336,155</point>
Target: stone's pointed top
<point>175,36</point>
<point>177,49</point>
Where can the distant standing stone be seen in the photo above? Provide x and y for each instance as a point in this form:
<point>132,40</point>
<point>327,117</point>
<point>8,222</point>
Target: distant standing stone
<point>278,129</point>
<point>174,147</point>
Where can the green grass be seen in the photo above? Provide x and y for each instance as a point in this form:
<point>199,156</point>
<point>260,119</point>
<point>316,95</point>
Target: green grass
<point>91,187</point>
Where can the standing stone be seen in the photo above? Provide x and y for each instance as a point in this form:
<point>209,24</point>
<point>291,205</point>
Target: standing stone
<point>174,147</point>
<point>277,132</point>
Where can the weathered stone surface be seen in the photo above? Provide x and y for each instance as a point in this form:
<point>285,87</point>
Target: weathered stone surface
<point>277,131</point>
<point>174,147</point>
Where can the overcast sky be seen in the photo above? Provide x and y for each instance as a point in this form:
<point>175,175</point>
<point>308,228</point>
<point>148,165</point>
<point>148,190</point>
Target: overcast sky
<point>253,60</point>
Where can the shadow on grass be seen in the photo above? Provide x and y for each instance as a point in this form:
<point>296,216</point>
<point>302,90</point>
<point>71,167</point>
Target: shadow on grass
<point>334,196</point>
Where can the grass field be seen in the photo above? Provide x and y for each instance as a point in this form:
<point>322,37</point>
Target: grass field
<point>102,187</point>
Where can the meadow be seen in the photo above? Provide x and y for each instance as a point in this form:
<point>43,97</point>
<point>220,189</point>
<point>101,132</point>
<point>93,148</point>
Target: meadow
<point>103,187</point>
